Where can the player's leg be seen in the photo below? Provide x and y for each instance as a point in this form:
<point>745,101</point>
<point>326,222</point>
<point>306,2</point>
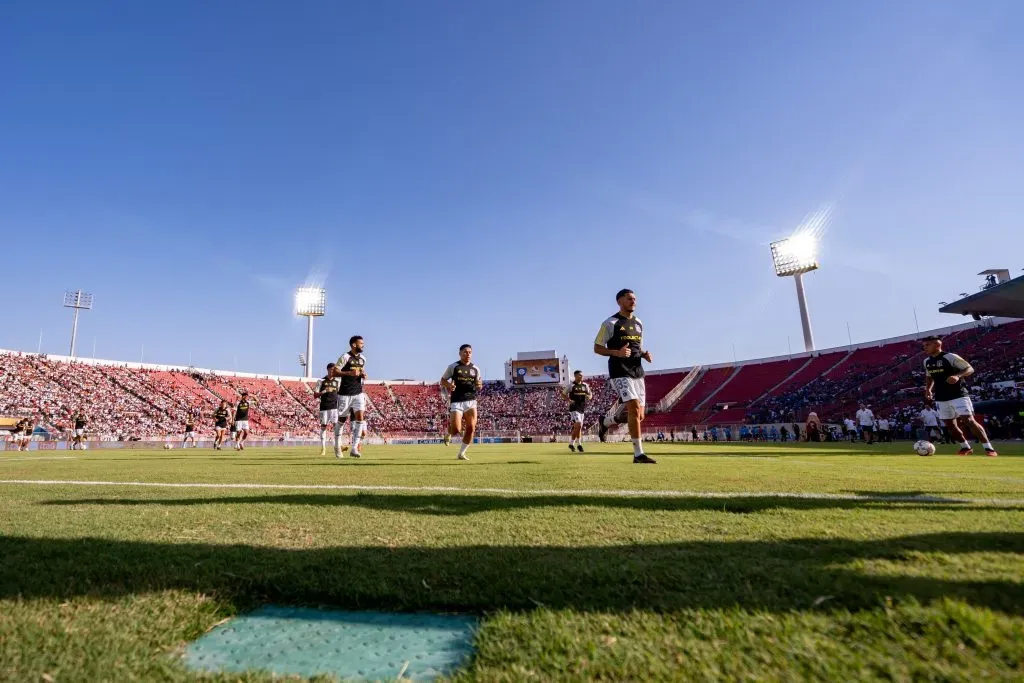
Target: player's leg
<point>324,424</point>
<point>965,413</point>
<point>455,423</point>
<point>957,435</point>
<point>469,417</point>
<point>358,423</point>
<point>948,415</point>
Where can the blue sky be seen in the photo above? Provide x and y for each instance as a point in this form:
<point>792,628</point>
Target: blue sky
<point>493,172</point>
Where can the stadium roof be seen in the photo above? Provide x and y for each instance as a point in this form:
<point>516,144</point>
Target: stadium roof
<point>1005,300</point>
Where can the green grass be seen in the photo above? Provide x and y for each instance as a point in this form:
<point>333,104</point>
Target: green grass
<point>105,583</point>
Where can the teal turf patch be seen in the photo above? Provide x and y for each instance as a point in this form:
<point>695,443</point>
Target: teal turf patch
<point>349,645</point>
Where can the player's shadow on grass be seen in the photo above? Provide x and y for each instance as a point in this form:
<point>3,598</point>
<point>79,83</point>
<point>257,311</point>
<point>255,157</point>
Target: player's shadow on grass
<point>765,575</point>
<point>454,504</point>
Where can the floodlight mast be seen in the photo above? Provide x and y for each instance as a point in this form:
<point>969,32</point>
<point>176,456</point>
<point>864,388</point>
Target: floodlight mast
<point>793,257</point>
<point>79,301</point>
<point>310,302</point>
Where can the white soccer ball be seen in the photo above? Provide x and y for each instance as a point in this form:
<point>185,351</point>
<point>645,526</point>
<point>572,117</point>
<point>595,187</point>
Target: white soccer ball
<point>924,448</point>
<point>168,446</point>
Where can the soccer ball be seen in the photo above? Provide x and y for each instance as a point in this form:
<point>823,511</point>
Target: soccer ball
<point>924,448</point>
<point>168,446</point>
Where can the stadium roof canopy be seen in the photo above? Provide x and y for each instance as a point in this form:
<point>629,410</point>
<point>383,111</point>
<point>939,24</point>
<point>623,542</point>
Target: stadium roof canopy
<point>1005,300</point>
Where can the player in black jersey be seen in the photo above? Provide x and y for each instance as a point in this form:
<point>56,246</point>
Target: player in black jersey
<point>620,339</point>
<point>242,408</point>
<point>190,431</point>
<point>23,433</point>
<point>220,424</point>
<point>351,369</point>
<point>578,394</point>
<point>327,392</point>
<point>462,381</point>
<point>944,383</point>
<point>81,421</point>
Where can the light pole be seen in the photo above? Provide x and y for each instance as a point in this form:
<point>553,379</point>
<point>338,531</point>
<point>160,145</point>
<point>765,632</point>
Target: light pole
<point>77,300</point>
<point>795,256</point>
<point>310,302</point>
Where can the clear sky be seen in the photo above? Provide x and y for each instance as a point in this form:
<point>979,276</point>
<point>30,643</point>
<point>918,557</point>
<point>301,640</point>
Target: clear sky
<point>493,172</point>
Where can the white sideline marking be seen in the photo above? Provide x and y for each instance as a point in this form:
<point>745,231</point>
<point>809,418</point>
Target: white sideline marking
<point>44,457</point>
<point>537,492</point>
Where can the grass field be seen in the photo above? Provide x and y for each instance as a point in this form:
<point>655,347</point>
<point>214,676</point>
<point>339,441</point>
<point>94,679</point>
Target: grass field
<point>738,562</point>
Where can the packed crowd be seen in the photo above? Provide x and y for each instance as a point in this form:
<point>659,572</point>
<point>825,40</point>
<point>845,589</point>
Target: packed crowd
<point>132,403</point>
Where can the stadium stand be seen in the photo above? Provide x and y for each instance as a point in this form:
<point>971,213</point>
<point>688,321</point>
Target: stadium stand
<point>128,401</point>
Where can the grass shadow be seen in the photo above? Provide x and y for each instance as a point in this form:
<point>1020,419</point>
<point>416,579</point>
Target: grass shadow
<point>778,576</point>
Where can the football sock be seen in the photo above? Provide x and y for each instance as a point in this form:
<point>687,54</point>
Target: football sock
<point>638,449</point>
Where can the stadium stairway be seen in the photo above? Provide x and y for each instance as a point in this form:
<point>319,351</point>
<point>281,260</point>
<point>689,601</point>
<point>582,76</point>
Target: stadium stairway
<point>707,401</point>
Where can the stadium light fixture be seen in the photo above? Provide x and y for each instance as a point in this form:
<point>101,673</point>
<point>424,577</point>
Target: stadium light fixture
<point>310,302</point>
<point>793,257</point>
<point>80,301</point>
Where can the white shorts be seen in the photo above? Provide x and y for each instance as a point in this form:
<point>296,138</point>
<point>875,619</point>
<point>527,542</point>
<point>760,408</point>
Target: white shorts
<point>329,417</point>
<point>630,389</point>
<point>190,435</point>
<point>79,432</point>
<point>576,418</point>
<point>958,407</point>
<point>355,403</point>
<point>241,425</point>
<point>462,406</point>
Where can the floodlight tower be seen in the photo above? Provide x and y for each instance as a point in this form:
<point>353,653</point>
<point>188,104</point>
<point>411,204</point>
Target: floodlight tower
<point>79,301</point>
<point>795,256</point>
<point>310,302</point>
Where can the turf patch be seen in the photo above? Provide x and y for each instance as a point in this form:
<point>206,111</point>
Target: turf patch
<point>349,645</point>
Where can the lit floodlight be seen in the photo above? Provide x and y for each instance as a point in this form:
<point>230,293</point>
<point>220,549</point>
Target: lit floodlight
<point>795,255</point>
<point>310,301</point>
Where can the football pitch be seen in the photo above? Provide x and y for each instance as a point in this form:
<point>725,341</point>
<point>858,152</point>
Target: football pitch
<point>722,562</point>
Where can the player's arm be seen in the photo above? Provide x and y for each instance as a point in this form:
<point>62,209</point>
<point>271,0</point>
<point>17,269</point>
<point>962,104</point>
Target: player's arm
<point>963,368</point>
<point>446,380</point>
<point>929,386</point>
<point>342,362</point>
<point>601,343</point>
<point>479,379</point>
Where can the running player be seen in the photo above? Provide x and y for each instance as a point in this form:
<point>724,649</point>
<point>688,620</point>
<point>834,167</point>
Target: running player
<point>945,384</point>
<point>866,420</point>
<point>220,424</point>
<point>242,419</point>
<point>351,368</point>
<point>190,431</point>
<point>327,392</point>
<point>620,339</point>
<point>578,394</point>
<point>81,421</point>
<point>23,433</point>
<point>462,381</point>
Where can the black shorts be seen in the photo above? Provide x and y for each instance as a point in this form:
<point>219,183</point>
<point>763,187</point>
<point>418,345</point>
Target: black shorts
<point>868,430</point>
<point>222,424</point>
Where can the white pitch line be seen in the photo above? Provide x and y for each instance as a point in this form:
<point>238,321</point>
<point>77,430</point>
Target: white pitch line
<point>569,493</point>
